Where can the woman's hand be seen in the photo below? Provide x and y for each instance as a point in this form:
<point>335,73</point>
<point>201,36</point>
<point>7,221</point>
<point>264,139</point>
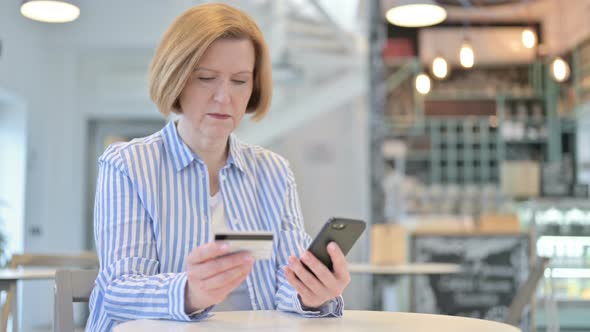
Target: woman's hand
<point>325,285</point>
<point>212,274</point>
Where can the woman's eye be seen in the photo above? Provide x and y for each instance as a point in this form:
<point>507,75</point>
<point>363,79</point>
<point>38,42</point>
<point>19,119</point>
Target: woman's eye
<point>238,81</point>
<point>206,78</point>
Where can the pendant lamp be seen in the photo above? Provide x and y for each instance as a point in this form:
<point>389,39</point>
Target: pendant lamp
<point>50,11</point>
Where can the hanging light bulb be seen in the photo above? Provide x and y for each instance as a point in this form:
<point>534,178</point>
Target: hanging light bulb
<point>414,13</point>
<point>529,38</point>
<point>50,11</point>
<point>423,84</point>
<point>440,67</point>
<point>560,70</point>
<point>466,55</point>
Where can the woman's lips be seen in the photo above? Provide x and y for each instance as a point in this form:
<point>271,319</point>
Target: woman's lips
<point>218,116</point>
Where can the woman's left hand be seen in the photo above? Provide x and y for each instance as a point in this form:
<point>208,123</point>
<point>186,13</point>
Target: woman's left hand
<point>325,285</point>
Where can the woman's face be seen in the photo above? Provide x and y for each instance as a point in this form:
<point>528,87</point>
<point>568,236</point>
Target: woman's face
<point>215,98</point>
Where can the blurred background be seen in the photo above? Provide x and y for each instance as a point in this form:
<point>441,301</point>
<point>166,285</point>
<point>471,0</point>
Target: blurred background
<point>458,121</point>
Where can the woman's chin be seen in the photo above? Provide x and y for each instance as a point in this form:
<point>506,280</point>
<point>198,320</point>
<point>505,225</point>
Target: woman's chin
<point>217,133</point>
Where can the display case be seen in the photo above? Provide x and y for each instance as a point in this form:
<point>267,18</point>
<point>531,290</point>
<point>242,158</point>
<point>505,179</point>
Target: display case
<point>561,229</point>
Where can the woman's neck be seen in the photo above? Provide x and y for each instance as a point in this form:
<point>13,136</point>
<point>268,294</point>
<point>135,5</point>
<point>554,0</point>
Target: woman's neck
<point>213,151</point>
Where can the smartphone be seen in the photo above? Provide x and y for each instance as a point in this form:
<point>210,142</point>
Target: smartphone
<point>343,231</point>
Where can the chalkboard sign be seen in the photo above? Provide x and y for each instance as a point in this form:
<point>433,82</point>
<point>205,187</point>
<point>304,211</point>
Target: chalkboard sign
<point>494,267</point>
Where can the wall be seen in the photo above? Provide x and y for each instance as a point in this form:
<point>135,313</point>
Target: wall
<point>564,22</point>
<point>12,170</point>
<point>492,46</point>
<point>329,157</point>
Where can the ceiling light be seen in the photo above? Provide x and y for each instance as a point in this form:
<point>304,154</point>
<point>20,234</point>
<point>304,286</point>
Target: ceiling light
<point>560,70</point>
<point>529,38</point>
<point>414,13</point>
<point>423,84</point>
<point>466,55</point>
<point>440,67</point>
<point>50,11</point>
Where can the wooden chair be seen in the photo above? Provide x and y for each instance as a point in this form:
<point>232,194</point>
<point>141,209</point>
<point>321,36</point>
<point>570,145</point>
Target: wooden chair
<point>82,260</point>
<point>526,292</point>
<point>70,286</point>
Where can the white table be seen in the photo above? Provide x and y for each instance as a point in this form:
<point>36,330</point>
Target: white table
<point>354,321</point>
<point>388,274</point>
<point>13,275</point>
<point>405,269</point>
<point>10,277</point>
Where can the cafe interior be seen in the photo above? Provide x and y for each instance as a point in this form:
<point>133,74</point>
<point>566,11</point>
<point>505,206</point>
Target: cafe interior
<point>454,129</point>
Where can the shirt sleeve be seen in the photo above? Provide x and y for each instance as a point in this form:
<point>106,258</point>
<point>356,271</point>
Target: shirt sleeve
<point>293,240</point>
<point>129,278</point>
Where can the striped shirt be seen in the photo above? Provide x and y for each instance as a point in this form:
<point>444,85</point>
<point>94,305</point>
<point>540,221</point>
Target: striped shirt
<point>152,208</point>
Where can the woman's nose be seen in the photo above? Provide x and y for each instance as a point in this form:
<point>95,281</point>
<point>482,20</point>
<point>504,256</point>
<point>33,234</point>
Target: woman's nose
<point>221,94</point>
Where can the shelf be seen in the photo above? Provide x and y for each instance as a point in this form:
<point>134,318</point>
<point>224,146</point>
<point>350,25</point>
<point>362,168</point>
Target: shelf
<point>526,141</point>
<point>544,203</point>
<point>459,95</point>
<point>565,235</point>
<point>529,122</point>
<point>584,240</point>
<point>534,97</point>
<point>462,95</point>
<point>570,273</point>
<point>563,299</point>
<point>411,158</point>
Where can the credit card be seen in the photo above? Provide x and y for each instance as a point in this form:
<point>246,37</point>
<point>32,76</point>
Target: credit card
<point>259,244</point>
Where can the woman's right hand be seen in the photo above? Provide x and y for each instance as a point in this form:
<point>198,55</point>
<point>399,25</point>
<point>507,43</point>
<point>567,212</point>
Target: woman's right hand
<point>212,274</point>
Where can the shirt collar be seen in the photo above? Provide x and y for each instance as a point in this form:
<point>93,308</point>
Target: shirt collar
<point>236,153</point>
<point>181,155</point>
<point>177,151</point>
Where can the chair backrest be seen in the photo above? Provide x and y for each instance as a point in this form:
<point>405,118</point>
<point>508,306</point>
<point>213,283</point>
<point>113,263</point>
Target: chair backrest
<point>83,260</point>
<point>70,286</point>
<point>526,291</point>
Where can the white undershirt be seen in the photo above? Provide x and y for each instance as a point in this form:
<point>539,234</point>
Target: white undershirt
<point>218,222</point>
<point>239,298</point>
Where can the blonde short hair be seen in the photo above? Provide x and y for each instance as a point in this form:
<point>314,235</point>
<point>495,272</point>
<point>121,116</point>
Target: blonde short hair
<point>187,40</point>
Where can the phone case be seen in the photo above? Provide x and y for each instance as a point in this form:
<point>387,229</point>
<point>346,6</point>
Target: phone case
<point>343,231</point>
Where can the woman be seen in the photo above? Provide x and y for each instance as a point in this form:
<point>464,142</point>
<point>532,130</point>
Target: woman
<point>160,198</point>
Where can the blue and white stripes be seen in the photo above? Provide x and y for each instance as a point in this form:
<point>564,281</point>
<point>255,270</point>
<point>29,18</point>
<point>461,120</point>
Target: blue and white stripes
<point>152,209</point>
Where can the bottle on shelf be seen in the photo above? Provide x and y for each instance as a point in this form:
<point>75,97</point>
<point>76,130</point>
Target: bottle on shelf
<point>586,256</point>
<point>537,115</point>
<point>586,224</point>
<point>521,111</point>
<point>532,132</point>
<point>574,218</point>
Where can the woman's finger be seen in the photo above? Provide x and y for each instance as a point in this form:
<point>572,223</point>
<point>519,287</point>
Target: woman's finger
<point>307,277</point>
<point>297,284</point>
<point>318,268</point>
<point>220,264</point>
<point>207,251</point>
<point>339,264</point>
<point>227,278</point>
